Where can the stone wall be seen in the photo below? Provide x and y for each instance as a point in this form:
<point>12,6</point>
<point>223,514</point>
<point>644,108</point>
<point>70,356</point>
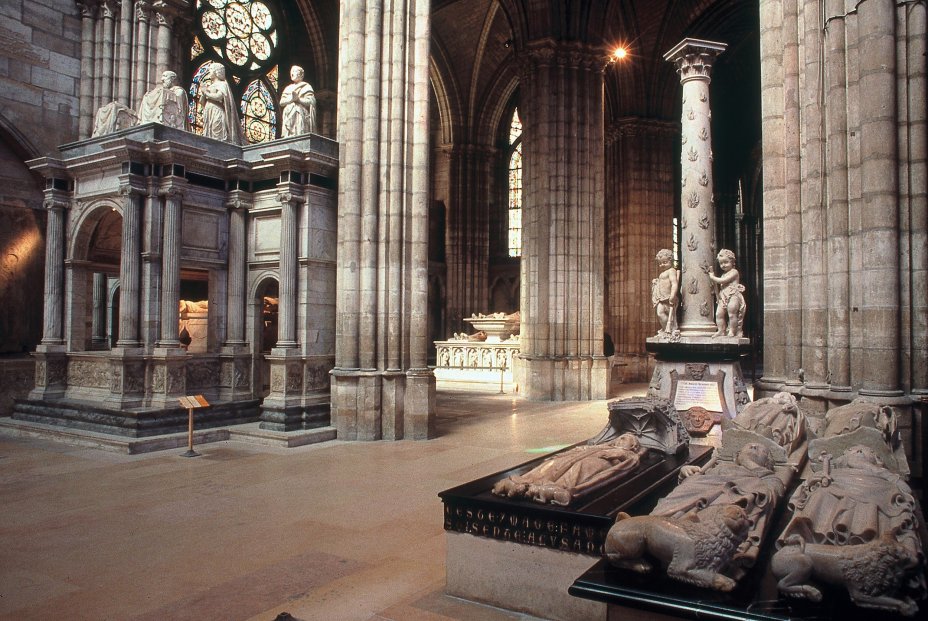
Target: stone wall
<point>17,377</point>
<point>40,71</point>
<point>22,252</point>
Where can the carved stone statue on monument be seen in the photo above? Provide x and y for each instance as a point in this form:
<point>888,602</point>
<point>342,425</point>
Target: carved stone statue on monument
<point>565,475</point>
<point>165,104</point>
<point>665,294</point>
<point>220,114</point>
<point>854,525</point>
<point>113,117</point>
<point>730,308</point>
<point>298,106</point>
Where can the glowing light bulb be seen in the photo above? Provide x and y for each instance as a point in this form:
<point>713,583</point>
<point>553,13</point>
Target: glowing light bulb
<point>619,53</point>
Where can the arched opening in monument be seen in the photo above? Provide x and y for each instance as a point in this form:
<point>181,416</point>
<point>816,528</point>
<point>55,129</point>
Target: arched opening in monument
<point>96,281</point>
<point>264,311</point>
<point>193,311</point>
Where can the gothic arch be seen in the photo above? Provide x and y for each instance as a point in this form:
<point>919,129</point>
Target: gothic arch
<point>447,93</point>
<point>317,43</point>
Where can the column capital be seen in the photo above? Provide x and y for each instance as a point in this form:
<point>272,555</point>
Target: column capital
<point>288,196</point>
<point>88,8</point>
<point>142,10</point>
<point>109,8</point>
<point>55,202</point>
<point>128,190</point>
<point>239,201</point>
<point>570,54</point>
<point>171,191</point>
<point>693,58</point>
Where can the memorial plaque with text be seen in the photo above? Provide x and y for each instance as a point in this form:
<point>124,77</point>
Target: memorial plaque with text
<point>691,393</point>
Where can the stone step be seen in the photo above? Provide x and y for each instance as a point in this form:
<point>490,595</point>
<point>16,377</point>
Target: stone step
<point>249,432</point>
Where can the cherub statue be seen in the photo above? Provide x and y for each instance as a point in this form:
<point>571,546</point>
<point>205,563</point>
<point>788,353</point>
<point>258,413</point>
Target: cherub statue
<point>665,290</point>
<point>730,310</point>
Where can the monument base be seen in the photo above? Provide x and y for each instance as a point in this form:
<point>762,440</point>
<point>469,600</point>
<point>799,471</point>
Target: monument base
<point>701,376</point>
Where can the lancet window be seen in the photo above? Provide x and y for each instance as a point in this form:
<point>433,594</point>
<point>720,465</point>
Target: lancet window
<point>515,185</point>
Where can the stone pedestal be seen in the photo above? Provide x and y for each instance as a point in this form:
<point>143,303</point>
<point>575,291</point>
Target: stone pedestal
<point>282,409</point>
<point>127,377</point>
<point>168,376</point>
<point>51,372</point>
<point>235,373</point>
<point>700,372</point>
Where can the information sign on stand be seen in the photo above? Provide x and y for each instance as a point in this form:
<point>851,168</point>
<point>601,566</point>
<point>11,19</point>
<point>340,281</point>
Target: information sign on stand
<point>191,402</point>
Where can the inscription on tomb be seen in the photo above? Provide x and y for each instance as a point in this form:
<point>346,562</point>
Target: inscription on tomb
<point>690,393</point>
<point>522,527</point>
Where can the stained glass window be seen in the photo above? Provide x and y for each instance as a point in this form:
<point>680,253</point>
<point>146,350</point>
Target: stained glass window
<point>258,113</point>
<point>515,185</point>
<point>243,36</point>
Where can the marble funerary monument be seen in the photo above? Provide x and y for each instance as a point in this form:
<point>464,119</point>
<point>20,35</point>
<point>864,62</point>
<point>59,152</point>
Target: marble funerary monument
<point>145,217</point>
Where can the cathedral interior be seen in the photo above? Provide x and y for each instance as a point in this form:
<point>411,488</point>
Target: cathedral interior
<point>465,158</point>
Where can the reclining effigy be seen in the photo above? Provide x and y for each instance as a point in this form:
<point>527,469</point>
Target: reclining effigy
<point>854,521</point>
<point>636,425</point>
<point>709,529</point>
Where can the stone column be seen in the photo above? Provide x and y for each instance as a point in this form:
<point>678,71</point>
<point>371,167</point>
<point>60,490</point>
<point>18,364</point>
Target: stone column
<point>109,44</point>
<point>170,267</point>
<point>639,198</point>
<point>55,242</point>
<point>99,336</point>
<point>142,15</point>
<point>879,232</point>
<point>693,59</point>
<point>124,65</point>
<point>164,19</point>
<point>287,305</point>
<point>129,268</point>
<point>98,42</point>
<point>381,207</point>
<point>563,222</point>
<point>468,251</point>
<point>88,10</point>
<point>235,317</point>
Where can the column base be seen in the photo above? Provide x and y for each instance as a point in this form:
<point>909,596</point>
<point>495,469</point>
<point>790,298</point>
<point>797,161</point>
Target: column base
<point>383,405</point>
<point>51,372</point>
<point>168,376</point>
<point>579,378</point>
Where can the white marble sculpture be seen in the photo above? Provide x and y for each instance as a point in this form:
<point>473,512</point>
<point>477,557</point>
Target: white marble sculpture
<point>730,309</point>
<point>298,106</point>
<point>165,104</point>
<point>113,117</point>
<point>220,114</point>
<point>665,294</point>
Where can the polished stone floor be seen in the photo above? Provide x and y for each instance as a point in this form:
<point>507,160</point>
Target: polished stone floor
<point>335,531</point>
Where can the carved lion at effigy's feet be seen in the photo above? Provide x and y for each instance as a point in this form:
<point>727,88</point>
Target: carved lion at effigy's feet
<point>695,548</point>
<point>874,572</point>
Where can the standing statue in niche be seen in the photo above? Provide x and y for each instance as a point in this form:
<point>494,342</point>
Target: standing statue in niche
<point>730,309</point>
<point>665,293</point>
<point>298,104</point>
<point>165,104</point>
<point>220,117</point>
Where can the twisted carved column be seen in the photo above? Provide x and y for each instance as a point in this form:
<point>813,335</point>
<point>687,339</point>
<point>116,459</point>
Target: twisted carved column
<point>693,59</point>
